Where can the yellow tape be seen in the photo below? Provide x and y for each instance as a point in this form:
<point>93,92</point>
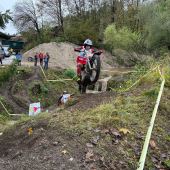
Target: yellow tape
<point>53,80</point>
<point>4,108</point>
<point>43,72</point>
<point>60,80</point>
<point>8,111</point>
<point>123,72</point>
<point>136,82</point>
<point>149,132</point>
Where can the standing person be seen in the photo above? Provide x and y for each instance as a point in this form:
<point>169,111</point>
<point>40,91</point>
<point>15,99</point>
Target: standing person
<point>41,57</point>
<point>36,59</point>
<point>18,58</point>
<point>46,60</point>
<point>1,54</point>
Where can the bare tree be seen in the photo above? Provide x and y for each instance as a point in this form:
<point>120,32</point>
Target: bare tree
<point>26,16</point>
<point>55,9</point>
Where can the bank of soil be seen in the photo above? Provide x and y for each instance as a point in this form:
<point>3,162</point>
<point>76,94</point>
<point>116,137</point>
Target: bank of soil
<point>92,139</point>
<point>28,86</point>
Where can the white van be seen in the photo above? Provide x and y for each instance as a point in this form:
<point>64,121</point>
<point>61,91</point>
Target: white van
<point>6,50</point>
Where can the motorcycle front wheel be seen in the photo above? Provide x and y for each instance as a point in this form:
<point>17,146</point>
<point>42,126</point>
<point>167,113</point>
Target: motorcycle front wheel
<point>94,72</point>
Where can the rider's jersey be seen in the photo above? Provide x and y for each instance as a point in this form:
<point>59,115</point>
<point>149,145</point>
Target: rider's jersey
<point>86,53</point>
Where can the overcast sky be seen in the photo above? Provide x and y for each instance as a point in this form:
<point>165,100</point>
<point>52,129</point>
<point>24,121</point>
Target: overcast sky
<point>4,5</point>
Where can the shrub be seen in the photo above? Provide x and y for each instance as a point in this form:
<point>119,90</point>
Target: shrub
<point>121,38</point>
<point>70,73</point>
<point>7,73</point>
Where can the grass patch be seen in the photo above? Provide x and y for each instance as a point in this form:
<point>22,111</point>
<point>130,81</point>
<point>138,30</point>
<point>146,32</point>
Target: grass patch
<point>7,73</point>
<point>152,93</point>
<point>119,113</point>
<point>69,73</point>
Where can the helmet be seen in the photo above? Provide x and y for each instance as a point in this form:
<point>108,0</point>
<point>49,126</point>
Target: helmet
<point>88,42</point>
<point>64,92</point>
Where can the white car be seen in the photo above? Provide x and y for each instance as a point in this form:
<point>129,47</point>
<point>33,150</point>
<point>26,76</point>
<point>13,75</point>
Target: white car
<point>6,50</point>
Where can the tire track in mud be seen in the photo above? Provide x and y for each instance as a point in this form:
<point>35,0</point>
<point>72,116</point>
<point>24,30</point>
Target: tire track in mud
<point>16,107</point>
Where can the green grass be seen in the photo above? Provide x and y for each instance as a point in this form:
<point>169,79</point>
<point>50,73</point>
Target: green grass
<point>69,73</point>
<point>7,73</point>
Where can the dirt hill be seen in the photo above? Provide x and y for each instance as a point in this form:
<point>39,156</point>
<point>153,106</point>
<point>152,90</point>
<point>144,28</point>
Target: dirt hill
<point>63,55</point>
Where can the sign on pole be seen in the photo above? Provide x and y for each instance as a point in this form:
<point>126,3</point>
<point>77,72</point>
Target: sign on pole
<point>34,109</point>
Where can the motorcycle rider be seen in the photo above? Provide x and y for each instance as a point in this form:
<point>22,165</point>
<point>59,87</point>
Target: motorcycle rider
<point>85,51</point>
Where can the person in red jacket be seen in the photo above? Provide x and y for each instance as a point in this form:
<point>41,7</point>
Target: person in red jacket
<point>85,51</point>
<point>41,57</point>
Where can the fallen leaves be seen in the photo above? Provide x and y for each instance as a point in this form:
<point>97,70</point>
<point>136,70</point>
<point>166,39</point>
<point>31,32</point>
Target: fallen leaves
<point>64,152</point>
<point>89,155</point>
<point>30,131</point>
<point>124,131</point>
<point>152,144</point>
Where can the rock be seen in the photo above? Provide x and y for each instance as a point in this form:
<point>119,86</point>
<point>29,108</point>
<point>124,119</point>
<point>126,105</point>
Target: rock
<point>55,143</point>
<point>19,153</point>
<point>71,159</point>
<point>95,140</point>
<point>115,133</point>
<point>89,145</point>
<point>116,81</point>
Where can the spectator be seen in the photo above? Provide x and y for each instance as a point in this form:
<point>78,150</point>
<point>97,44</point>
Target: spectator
<point>36,59</point>
<point>46,60</point>
<point>41,57</point>
<point>1,54</point>
<point>18,58</point>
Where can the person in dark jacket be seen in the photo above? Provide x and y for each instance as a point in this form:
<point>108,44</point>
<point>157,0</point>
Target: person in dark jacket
<point>46,60</point>
<point>18,58</point>
<point>36,59</point>
<point>1,54</point>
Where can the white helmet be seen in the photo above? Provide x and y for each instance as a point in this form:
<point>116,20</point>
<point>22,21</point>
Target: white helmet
<point>88,42</point>
<point>64,92</point>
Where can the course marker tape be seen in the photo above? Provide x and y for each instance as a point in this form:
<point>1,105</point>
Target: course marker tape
<point>5,108</point>
<point>43,72</point>
<point>8,111</point>
<point>136,82</point>
<point>61,80</point>
<point>123,72</point>
<point>53,80</point>
<point>149,132</point>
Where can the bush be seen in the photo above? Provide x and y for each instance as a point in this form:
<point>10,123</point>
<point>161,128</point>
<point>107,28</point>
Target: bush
<point>121,38</point>
<point>156,24</point>
<point>70,73</point>
<point>6,74</point>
